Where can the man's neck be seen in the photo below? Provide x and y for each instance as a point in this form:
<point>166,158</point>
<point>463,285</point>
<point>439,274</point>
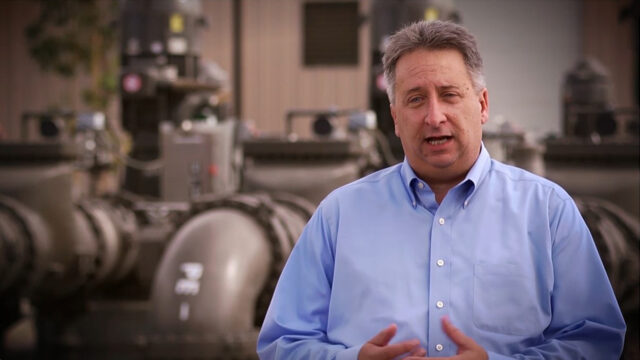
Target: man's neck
<point>441,188</point>
<point>447,179</point>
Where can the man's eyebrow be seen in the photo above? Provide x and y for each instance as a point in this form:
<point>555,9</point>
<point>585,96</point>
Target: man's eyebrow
<point>448,87</point>
<point>414,89</point>
<point>440,88</point>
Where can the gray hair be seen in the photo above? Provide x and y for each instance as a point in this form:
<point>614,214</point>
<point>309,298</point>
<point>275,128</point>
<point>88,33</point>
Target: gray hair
<point>432,35</point>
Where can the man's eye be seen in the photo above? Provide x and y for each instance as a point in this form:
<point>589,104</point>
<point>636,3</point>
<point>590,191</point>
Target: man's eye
<point>415,99</point>
<point>449,94</point>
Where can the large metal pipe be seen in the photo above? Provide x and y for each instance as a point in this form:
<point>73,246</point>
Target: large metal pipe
<point>217,276</point>
<point>52,246</point>
<point>25,242</point>
<point>45,189</point>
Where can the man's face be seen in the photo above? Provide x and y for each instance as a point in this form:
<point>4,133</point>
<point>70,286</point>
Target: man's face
<point>437,113</point>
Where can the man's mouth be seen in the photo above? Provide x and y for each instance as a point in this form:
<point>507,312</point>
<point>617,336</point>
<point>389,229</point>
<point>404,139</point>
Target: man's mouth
<point>437,140</point>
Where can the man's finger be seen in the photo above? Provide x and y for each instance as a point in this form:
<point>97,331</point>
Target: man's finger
<point>458,337</point>
<point>418,351</point>
<point>383,337</point>
<point>391,351</point>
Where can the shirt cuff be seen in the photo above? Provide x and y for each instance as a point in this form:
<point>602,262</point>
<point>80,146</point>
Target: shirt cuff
<point>349,353</point>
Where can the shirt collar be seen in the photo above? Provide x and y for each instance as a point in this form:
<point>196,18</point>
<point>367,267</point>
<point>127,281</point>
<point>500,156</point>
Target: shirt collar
<point>408,177</point>
<point>479,170</point>
<point>475,175</point>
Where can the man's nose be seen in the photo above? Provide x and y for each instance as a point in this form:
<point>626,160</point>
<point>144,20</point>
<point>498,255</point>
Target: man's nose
<point>434,116</point>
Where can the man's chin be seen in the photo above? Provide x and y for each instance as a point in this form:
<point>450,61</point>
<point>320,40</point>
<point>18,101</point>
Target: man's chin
<point>434,162</point>
<point>440,161</point>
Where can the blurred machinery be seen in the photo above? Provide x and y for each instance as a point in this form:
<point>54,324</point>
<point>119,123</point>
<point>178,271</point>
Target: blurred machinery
<point>342,149</point>
<point>163,80</point>
<point>112,277</point>
<point>183,260</point>
<point>600,150</point>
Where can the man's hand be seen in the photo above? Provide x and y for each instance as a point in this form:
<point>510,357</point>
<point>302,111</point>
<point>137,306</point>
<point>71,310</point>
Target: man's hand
<point>378,347</point>
<point>468,349</point>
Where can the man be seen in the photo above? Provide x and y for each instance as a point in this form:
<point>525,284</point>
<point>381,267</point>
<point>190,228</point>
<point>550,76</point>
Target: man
<point>450,253</point>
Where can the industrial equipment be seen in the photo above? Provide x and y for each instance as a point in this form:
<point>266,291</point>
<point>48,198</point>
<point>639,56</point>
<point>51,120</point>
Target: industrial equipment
<point>176,265</point>
<point>163,80</point>
<point>179,263</point>
<point>117,277</point>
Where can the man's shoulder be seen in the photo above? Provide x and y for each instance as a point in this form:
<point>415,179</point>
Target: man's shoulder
<point>522,180</point>
<point>378,181</point>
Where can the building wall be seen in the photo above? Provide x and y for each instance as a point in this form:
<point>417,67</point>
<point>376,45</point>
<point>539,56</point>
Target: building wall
<point>23,86</point>
<point>527,48</point>
<point>217,38</point>
<point>274,79</point>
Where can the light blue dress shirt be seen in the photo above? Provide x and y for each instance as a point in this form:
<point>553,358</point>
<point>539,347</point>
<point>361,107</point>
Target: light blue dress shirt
<point>506,256</point>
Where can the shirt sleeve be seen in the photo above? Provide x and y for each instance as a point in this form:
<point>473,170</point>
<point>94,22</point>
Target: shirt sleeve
<point>586,321</point>
<point>295,326</point>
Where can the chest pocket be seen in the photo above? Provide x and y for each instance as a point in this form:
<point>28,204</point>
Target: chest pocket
<point>506,301</point>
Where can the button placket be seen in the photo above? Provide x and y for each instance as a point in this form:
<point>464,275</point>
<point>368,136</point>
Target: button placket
<point>441,242</point>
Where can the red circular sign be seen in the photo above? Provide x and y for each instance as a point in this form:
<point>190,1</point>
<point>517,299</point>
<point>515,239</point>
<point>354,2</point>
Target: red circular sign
<point>132,83</point>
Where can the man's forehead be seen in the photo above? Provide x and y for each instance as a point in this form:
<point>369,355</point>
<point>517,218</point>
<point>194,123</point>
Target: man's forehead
<point>430,57</point>
<point>439,68</point>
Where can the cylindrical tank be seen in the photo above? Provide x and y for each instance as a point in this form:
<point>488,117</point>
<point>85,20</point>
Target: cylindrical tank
<point>309,168</point>
<point>587,107</point>
<point>313,181</point>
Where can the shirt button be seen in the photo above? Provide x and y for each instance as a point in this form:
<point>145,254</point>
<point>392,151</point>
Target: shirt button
<point>439,304</point>
<point>420,185</point>
<point>441,221</point>
<point>466,202</point>
<point>440,262</point>
<point>439,347</point>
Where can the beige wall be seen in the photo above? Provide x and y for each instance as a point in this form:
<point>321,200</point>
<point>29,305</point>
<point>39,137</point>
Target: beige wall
<point>273,77</point>
<point>217,38</point>
<point>23,86</point>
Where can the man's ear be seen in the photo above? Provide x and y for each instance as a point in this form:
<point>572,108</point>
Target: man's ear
<point>395,122</point>
<point>484,106</point>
